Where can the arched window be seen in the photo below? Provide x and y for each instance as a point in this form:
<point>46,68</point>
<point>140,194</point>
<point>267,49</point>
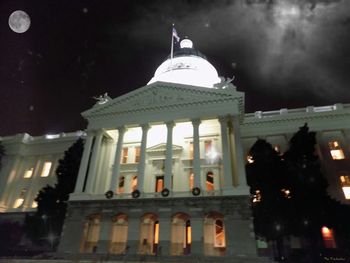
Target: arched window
<point>119,234</point>
<point>181,234</point>
<point>149,234</point>
<point>91,234</point>
<point>214,235</point>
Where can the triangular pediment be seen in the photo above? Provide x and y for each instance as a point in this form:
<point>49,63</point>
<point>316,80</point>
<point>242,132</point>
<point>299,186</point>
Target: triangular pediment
<point>162,148</point>
<point>160,97</point>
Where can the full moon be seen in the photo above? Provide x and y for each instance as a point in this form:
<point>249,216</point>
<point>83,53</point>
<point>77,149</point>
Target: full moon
<point>19,21</point>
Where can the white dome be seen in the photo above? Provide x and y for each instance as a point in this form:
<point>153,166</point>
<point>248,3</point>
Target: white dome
<point>188,67</point>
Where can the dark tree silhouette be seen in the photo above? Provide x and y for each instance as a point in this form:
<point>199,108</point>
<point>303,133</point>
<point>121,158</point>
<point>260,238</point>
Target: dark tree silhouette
<point>10,236</point>
<point>45,226</point>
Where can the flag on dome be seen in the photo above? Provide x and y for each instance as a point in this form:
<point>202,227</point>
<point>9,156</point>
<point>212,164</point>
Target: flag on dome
<point>176,35</point>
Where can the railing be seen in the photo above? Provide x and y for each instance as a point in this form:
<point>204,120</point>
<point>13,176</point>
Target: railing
<point>264,114</point>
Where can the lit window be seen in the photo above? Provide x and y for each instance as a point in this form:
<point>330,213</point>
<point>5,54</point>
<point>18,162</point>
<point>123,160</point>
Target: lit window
<point>134,184</point>
<point>125,155</point>
<point>219,233</point>
<point>207,146</point>
<point>46,169</point>
<point>159,183</point>
<point>210,181</point>
<point>277,148</point>
<point>345,183</point>
<point>137,154</point>
<point>336,151</point>
<point>20,200</point>
<point>191,180</point>
<point>34,204</point>
<point>121,185</point>
<point>250,159</point>
<point>28,173</point>
<point>257,196</point>
<point>286,193</point>
<point>156,232</point>
<point>188,232</point>
<point>191,150</point>
<point>328,237</point>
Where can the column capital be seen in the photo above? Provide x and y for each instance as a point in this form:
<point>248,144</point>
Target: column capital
<point>145,126</point>
<point>196,122</point>
<point>170,124</point>
<point>121,129</point>
<point>224,119</point>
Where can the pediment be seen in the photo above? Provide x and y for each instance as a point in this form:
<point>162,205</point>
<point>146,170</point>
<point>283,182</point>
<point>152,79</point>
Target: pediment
<point>162,148</point>
<point>162,96</point>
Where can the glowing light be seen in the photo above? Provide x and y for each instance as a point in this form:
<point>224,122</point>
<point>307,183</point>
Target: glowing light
<point>52,136</point>
<point>156,233</point>
<point>336,151</point>
<point>346,191</point>
<point>34,204</point>
<point>257,196</point>
<point>46,169</point>
<point>286,193</point>
<point>250,159</point>
<point>28,173</point>
<point>18,202</point>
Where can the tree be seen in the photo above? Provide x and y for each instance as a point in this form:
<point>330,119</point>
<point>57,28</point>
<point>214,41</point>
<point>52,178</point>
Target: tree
<point>45,226</point>
<point>270,193</point>
<point>10,237</point>
<point>292,192</point>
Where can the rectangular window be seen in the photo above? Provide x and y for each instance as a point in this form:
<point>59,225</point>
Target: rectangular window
<point>134,184</point>
<point>345,184</point>
<point>210,181</point>
<point>137,154</point>
<point>28,173</point>
<point>125,155</point>
<point>191,179</point>
<point>121,185</point>
<point>46,169</point>
<point>159,183</point>
<point>336,150</point>
<point>20,200</point>
<point>207,147</point>
<point>191,151</point>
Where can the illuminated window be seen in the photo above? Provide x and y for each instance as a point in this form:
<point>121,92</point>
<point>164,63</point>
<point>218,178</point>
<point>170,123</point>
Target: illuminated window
<point>257,196</point>
<point>125,155</point>
<point>277,148</point>
<point>159,183</point>
<point>188,233</point>
<point>345,183</point>
<point>328,237</point>
<point>219,233</point>
<point>156,233</point>
<point>46,169</point>
<point>137,154</point>
<point>134,183</point>
<point>250,159</point>
<point>207,146</point>
<point>210,181</point>
<point>34,204</point>
<point>20,200</point>
<point>191,180</point>
<point>121,185</point>
<point>191,150</point>
<point>286,193</point>
<point>28,173</point>
<point>336,151</point>
<point>91,234</point>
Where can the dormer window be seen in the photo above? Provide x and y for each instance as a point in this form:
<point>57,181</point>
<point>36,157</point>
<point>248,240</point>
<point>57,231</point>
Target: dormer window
<point>345,184</point>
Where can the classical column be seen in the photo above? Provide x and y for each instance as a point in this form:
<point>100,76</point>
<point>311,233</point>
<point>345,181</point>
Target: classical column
<point>238,167</point>
<point>133,234</point>
<point>93,163</point>
<point>164,233</point>
<point>84,163</point>
<point>116,166</point>
<point>196,153</point>
<point>105,233</point>
<point>226,155</point>
<point>141,166</point>
<point>169,156</point>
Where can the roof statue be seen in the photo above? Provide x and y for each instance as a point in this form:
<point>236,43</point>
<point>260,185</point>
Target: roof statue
<point>225,83</point>
<point>102,99</point>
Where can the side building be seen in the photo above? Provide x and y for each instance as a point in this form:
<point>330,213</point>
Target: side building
<point>29,164</point>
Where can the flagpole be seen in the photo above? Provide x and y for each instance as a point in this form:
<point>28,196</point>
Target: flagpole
<point>172,47</point>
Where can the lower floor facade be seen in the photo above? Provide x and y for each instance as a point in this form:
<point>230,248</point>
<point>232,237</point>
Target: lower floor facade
<point>202,226</point>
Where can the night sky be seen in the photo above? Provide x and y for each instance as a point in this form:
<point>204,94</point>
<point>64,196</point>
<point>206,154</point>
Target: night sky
<point>283,53</point>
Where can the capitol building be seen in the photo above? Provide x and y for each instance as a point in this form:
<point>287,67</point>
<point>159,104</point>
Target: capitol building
<point>163,167</point>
